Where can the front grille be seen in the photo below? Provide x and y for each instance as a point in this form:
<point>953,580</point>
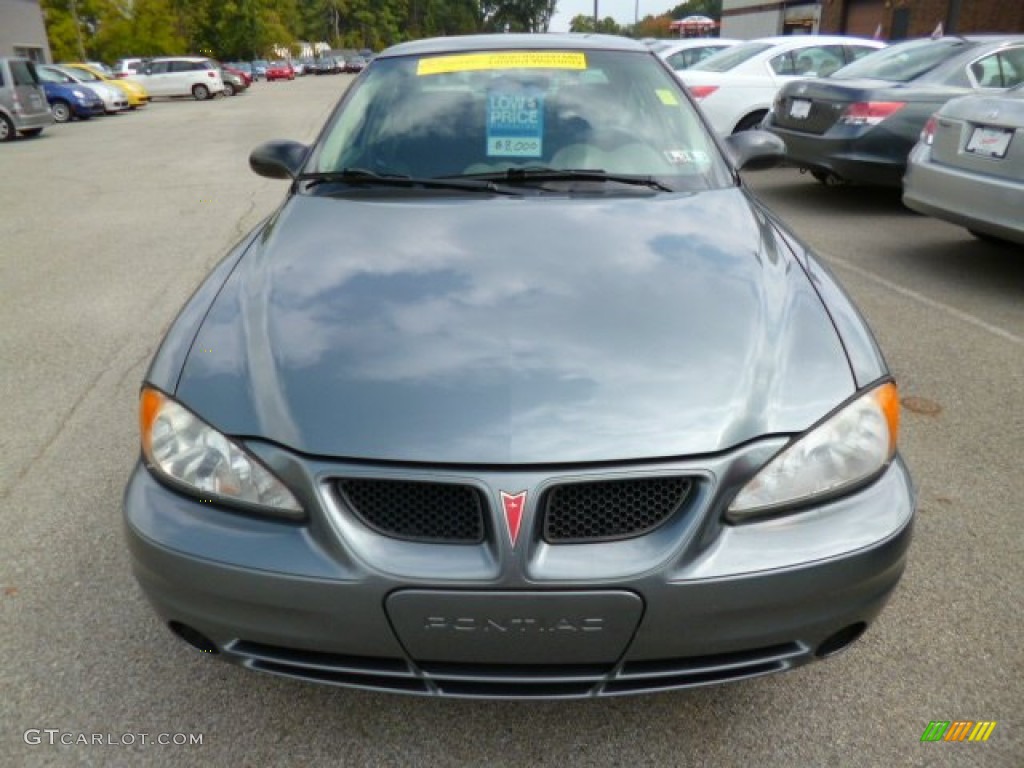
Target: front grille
<point>511,681</point>
<point>611,509</point>
<point>417,511</point>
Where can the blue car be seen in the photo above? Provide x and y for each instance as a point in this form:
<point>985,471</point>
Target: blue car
<point>67,98</point>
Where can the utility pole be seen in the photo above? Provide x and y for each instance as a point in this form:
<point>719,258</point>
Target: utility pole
<point>595,15</point>
<point>78,29</point>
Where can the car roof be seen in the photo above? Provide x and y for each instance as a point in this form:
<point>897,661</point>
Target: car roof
<point>435,45</point>
<point>798,41</point>
<point>697,42</point>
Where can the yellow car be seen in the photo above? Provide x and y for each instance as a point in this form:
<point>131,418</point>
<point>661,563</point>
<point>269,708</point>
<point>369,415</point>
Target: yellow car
<point>137,94</point>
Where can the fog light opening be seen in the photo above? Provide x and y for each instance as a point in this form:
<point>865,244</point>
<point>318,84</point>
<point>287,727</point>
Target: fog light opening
<point>193,637</point>
<point>841,640</point>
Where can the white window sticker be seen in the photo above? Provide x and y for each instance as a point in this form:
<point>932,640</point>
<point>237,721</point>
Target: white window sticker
<point>685,157</point>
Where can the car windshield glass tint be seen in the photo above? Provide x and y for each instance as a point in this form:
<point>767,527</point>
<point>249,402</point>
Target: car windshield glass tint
<point>903,62</point>
<point>49,76</point>
<point>472,115</point>
<point>730,58</point>
<point>85,76</point>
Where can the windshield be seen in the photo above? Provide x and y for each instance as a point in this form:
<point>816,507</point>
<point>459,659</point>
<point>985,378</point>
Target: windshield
<point>52,76</point>
<point>84,75</point>
<point>903,62</point>
<point>464,115</point>
<point>730,58</point>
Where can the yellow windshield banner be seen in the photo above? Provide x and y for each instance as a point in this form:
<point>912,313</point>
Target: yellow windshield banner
<point>472,62</point>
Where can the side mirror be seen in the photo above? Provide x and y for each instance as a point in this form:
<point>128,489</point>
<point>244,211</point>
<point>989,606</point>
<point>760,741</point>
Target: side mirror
<point>278,159</point>
<point>756,150</point>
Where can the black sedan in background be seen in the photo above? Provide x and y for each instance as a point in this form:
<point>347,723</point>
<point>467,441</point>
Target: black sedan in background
<point>860,124</point>
<point>519,393</point>
<point>327,65</point>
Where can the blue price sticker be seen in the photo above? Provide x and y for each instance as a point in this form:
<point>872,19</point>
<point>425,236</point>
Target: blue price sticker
<point>515,124</point>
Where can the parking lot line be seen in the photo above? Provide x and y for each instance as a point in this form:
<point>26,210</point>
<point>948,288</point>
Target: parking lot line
<point>920,298</point>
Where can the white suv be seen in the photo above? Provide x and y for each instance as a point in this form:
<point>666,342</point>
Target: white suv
<point>180,76</point>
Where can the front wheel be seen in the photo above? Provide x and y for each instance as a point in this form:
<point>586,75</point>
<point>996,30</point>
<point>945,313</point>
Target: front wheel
<point>6,129</point>
<point>229,89</point>
<point>61,111</point>
<point>200,92</point>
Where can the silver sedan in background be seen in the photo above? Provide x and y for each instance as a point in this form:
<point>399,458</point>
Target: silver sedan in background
<point>968,166</point>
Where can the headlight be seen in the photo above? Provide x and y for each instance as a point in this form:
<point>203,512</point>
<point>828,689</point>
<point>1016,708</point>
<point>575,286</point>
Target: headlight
<point>848,448</point>
<point>187,451</point>
<point>79,94</point>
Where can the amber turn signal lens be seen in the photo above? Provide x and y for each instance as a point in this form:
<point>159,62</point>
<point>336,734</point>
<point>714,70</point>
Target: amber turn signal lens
<point>149,406</point>
<point>888,398</point>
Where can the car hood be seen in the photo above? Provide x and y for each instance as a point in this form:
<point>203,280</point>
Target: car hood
<point>510,330</point>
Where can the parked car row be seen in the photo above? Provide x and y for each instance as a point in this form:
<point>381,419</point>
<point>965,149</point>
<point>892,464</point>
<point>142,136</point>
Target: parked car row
<point>197,76</point>
<point>34,95</point>
<point>852,110</point>
<point>933,116</point>
<point>333,65</point>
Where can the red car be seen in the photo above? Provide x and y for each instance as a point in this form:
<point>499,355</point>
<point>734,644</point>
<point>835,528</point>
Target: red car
<point>241,73</point>
<point>280,70</point>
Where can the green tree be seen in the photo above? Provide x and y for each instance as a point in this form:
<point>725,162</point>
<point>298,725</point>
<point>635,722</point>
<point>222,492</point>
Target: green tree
<point>517,15</point>
<point>607,25</point>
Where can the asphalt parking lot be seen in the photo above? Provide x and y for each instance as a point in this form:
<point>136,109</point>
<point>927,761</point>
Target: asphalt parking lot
<point>105,229</point>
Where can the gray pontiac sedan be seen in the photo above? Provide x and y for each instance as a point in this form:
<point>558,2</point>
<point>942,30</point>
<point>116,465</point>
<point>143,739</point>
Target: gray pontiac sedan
<point>519,393</point>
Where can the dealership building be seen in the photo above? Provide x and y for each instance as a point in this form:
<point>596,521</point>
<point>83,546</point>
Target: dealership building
<point>885,19</point>
<point>22,32</point>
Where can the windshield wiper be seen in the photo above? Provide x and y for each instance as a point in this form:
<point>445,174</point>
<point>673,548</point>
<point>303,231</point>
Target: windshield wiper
<point>544,173</point>
<point>362,176</point>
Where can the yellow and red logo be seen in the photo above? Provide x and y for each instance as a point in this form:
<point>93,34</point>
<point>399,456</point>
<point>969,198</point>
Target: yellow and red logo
<point>958,730</point>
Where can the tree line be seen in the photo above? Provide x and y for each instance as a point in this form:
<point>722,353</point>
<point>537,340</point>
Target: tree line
<point>107,30</point>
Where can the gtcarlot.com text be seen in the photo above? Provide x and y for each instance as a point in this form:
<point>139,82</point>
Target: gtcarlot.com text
<point>57,737</point>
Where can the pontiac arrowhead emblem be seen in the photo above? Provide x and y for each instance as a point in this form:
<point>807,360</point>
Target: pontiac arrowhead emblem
<point>513,504</point>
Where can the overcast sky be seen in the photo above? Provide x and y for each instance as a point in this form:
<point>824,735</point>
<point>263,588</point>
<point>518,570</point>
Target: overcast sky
<point>620,10</point>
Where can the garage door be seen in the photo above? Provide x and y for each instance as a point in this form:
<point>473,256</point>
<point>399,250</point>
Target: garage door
<point>864,16</point>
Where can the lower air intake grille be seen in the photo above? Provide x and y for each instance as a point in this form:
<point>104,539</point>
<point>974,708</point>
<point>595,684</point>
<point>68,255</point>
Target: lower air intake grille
<point>415,511</point>
<point>610,509</point>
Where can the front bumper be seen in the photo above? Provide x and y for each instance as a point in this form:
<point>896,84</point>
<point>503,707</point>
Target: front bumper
<point>87,109</point>
<point>112,106</point>
<point>984,203</point>
<point>317,601</point>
